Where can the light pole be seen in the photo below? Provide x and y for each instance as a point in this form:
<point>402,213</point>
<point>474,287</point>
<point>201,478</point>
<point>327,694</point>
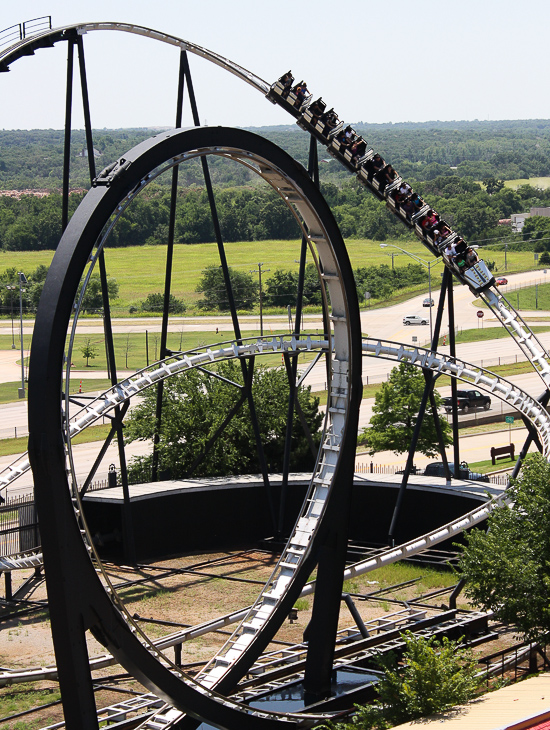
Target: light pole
<point>428,265</point>
<point>22,280</point>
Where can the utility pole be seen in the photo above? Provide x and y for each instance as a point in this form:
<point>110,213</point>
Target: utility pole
<point>253,271</point>
<point>22,280</point>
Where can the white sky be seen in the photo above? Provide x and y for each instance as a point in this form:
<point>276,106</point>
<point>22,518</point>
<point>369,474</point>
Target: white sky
<point>374,61</point>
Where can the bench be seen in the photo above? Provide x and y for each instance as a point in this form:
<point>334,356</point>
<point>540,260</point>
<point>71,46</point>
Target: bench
<point>502,452</point>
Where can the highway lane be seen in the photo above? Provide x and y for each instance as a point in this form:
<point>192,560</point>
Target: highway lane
<point>385,322</point>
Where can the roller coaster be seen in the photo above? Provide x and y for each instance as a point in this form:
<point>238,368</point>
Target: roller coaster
<point>81,594</point>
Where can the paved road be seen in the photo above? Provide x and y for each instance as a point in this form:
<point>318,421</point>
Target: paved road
<point>472,449</point>
<point>386,323</point>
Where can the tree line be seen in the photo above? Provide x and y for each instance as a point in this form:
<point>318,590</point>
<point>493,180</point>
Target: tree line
<point>280,289</point>
<point>257,213</point>
<point>419,151</point>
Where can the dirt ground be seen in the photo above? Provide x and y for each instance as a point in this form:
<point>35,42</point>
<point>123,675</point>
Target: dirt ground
<point>186,591</point>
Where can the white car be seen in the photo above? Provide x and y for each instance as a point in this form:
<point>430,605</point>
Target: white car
<point>414,319</point>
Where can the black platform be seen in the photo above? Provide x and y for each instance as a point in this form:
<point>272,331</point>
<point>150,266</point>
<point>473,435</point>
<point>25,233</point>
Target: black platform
<point>230,513</point>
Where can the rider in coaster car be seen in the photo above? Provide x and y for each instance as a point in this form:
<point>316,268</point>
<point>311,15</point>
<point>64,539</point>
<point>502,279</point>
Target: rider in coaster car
<point>316,108</point>
<point>301,91</point>
<point>471,257</point>
<point>385,177</point>
<point>430,221</point>
<point>402,192</point>
<point>346,137</point>
<point>286,80</point>
<point>330,119</point>
<point>450,251</point>
<point>374,165</point>
<point>357,150</point>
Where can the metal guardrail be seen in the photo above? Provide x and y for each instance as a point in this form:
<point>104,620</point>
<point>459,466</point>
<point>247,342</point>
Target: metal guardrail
<point>369,467</point>
<point>20,31</point>
<point>18,526</point>
<point>521,659</point>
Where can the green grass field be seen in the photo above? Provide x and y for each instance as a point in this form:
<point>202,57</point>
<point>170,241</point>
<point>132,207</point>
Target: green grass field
<point>534,182</point>
<point>528,298</point>
<point>139,271</point>
<point>487,333</point>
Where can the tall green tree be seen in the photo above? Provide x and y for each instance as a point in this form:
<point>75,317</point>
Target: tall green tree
<point>508,567</point>
<point>395,410</point>
<point>195,405</point>
<point>212,287</point>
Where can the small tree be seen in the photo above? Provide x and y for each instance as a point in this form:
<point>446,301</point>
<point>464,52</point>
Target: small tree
<point>155,303</point>
<point>88,351</point>
<point>492,185</point>
<point>93,297</point>
<point>195,404</point>
<point>282,288</point>
<point>508,567</point>
<point>436,675</point>
<point>395,412</point>
<point>212,286</point>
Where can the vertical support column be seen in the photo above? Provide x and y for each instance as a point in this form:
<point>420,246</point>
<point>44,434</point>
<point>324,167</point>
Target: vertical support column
<point>67,140</point>
<point>7,584</point>
<point>127,526</point>
<point>454,387</point>
<point>427,395</point>
<point>543,400</point>
<point>323,627</point>
<point>168,274</point>
<point>230,296</point>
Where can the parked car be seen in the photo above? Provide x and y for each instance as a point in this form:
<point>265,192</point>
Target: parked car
<point>436,469</point>
<point>468,399</point>
<point>428,302</point>
<point>501,281</point>
<point>414,319</point>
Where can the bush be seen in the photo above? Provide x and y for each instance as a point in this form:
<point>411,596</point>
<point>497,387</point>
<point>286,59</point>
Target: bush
<point>155,303</point>
<point>436,676</point>
<point>212,286</point>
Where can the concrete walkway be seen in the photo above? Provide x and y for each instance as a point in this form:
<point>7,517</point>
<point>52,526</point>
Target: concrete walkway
<point>518,707</point>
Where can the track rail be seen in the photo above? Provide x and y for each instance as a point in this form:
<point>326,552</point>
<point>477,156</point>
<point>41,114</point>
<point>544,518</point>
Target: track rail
<point>475,275</point>
<point>49,37</point>
<point>498,386</point>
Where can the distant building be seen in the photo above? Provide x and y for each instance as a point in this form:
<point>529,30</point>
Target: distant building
<point>84,152</point>
<point>540,211</point>
<point>518,219</point>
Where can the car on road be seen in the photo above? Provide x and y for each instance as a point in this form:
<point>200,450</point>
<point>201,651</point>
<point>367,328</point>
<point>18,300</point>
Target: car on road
<point>436,469</point>
<point>414,319</point>
<point>501,281</point>
<point>428,302</point>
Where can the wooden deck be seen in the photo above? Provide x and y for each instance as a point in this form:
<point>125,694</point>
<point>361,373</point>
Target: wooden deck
<point>522,706</point>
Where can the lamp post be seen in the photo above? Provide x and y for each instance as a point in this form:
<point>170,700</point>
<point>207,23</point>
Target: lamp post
<point>428,265</point>
<point>22,280</point>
